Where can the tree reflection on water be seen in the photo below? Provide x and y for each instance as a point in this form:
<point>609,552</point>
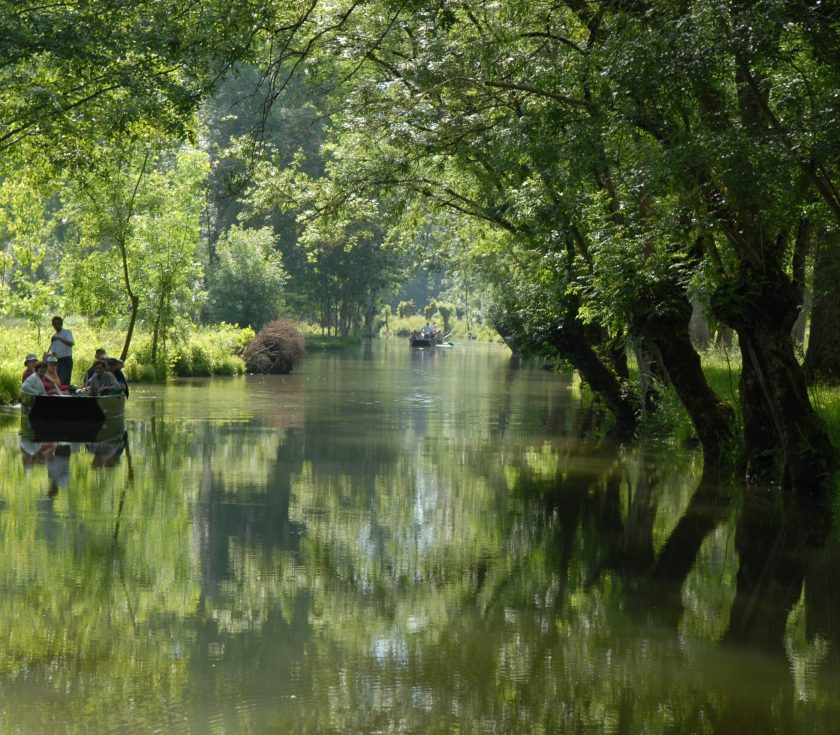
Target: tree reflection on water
<point>373,562</point>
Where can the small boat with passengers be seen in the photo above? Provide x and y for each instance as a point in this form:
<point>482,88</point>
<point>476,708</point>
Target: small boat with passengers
<point>429,336</point>
<point>74,418</point>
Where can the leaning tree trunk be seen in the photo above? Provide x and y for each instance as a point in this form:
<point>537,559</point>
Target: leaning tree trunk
<point>761,443</point>
<point>713,420</point>
<point>762,308</point>
<point>129,333</point>
<point>570,341</point>
<point>570,338</point>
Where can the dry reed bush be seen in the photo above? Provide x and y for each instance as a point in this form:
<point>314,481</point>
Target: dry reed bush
<point>276,349</point>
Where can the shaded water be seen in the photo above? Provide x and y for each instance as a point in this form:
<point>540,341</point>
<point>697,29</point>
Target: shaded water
<point>398,542</point>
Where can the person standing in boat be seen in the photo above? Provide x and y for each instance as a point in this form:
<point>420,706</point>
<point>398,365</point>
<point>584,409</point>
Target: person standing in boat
<point>34,384</point>
<point>102,383</point>
<point>61,345</point>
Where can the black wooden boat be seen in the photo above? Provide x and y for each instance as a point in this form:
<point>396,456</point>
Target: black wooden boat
<point>422,341</point>
<point>72,418</point>
<point>427,338</point>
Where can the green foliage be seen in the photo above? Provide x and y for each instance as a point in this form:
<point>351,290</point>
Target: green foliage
<point>194,350</point>
<point>133,242</point>
<point>191,359</point>
<point>9,385</point>
<point>406,309</point>
<point>247,280</point>
<point>74,76</point>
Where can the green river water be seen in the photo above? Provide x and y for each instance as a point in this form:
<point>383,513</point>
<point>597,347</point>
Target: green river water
<point>397,541</point>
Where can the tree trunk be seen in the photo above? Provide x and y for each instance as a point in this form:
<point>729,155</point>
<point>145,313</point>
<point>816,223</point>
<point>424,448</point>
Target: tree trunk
<point>569,340</point>
<point>761,444</point>
<point>135,302</point>
<point>155,341</point>
<point>698,327</point>
<point>822,363</point>
<point>712,419</point>
<point>762,307</point>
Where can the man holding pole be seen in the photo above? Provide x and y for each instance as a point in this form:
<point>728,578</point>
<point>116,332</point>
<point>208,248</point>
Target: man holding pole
<point>62,347</point>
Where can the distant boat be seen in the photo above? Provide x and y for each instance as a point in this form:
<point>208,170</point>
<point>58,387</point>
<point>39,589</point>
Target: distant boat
<point>424,338</point>
<point>72,418</point>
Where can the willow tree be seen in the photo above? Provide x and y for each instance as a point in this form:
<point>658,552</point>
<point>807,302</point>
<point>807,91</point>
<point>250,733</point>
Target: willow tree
<point>700,81</point>
<point>693,136</point>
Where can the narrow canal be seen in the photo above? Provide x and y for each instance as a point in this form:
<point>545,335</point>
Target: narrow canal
<point>402,542</point>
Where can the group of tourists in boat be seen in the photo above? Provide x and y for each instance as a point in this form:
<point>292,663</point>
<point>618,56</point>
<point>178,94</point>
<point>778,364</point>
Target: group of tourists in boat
<point>51,375</point>
<point>428,336</point>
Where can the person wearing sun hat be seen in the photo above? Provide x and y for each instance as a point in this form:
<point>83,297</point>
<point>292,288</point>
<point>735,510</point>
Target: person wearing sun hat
<point>29,362</point>
<point>34,385</point>
<point>51,380</point>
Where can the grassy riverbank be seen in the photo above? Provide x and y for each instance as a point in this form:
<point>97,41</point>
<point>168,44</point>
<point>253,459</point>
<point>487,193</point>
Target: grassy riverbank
<point>670,421</point>
<point>191,350</point>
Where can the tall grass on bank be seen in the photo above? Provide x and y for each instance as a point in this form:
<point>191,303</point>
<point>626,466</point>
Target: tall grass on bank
<point>723,371</point>
<point>722,368</point>
<point>826,401</point>
<point>191,350</point>
<point>10,385</point>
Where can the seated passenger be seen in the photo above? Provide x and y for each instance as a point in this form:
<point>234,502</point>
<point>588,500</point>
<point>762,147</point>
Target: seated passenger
<point>100,354</point>
<point>102,383</point>
<point>51,380</point>
<point>34,384</point>
<point>114,366</point>
<point>30,362</point>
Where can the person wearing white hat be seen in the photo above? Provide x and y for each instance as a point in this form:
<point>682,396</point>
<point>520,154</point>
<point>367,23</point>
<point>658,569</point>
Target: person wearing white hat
<point>51,380</point>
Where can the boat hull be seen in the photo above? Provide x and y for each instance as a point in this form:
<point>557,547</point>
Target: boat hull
<point>421,342</point>
<point>72,418</point>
